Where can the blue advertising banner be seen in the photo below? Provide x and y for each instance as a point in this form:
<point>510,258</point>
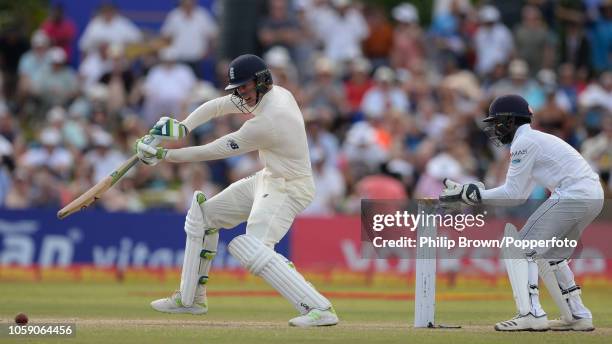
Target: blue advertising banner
<point>94,237</point>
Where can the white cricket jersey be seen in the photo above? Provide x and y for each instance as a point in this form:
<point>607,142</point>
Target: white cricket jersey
<point>537,158</point>
<point>276,130</point>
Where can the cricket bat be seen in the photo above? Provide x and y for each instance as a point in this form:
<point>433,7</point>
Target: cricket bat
<point>96,191</point>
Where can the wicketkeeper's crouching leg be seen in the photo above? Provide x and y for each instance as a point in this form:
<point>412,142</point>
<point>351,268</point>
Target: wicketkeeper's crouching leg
<point>260,260</point>
<point>559,281</point>
<point>200,249</point>
<point>523,275</point>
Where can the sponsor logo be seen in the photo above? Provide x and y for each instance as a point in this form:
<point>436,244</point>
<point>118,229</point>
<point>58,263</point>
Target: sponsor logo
<point>516,161</point>
<point>232,144</point>
<point>473,196</point>
<point>518,153</point>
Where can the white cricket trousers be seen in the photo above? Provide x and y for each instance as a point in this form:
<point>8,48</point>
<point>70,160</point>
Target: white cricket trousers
<point>565,214</point>
<point>268,204</point>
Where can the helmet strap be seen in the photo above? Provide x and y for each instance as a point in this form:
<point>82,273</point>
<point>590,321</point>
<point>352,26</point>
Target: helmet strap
<point>263,81</point>
<point>506,133</point>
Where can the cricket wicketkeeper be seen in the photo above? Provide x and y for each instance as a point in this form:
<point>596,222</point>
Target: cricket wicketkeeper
<point>267,201</point>
<point>576,200</point>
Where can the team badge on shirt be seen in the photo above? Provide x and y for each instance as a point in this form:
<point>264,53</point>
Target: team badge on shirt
<point>232,144</point>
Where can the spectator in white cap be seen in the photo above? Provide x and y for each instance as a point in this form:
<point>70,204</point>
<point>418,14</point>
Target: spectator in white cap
<point>408,39</point>
<point>33,62</point>
<point>405,13</point>
<point>50,154</point>
<point>103,158</point>
<point>385,96</point>
<point>493,41</point>
<point>166,87</point>
<point>57,84</point>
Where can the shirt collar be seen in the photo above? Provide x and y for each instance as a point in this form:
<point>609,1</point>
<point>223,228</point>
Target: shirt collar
<point>521,130</point>
<point>261,102</point>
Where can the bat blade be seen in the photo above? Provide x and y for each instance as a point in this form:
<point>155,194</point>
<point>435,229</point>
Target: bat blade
<point>96,191</point>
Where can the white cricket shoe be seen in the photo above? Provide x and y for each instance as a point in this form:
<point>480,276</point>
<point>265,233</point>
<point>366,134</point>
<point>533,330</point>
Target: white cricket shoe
<point>174,305</point>
<point>583,324</point>
<point>315,317</point>
<point>526,322</point>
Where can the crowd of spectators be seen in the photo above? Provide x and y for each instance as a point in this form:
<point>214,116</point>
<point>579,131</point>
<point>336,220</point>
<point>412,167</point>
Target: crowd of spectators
<point>391,106</point>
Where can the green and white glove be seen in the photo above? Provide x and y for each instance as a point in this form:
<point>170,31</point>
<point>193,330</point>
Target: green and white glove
<point>169,129</point>
<point>147,150</point>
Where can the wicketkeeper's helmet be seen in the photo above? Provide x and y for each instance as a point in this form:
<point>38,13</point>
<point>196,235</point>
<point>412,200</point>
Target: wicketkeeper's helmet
<point>506,114</point>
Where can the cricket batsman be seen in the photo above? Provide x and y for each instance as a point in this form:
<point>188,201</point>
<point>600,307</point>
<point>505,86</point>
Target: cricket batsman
<point>268,201</point>
<point>576,200</point>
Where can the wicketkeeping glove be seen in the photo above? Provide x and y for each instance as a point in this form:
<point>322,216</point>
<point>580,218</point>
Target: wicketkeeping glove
<point>466,193</point>
<point>147,150</point>
<point>169,129</point>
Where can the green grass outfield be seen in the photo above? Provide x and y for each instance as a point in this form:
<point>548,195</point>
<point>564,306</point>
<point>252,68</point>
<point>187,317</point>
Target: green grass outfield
<point>120,313</point>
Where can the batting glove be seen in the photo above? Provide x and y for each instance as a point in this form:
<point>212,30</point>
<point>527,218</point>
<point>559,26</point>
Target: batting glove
<point>147,151</point>
<point>169,129</point>
<point>466,193</point>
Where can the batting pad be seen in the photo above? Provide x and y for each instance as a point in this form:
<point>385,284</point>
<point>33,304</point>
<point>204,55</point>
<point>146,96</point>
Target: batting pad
<point>547,273</point>
<point>262,261</point>
<point>518,273</point>
<point>209,250</point>
<point>194,228</point>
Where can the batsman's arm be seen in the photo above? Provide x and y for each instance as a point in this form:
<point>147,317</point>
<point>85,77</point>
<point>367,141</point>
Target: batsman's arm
<point>96,191</point>
<point>256,133</point>
<point>209,110</point>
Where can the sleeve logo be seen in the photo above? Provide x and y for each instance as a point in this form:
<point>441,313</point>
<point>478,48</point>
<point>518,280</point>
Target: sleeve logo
<point>232,144</point>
